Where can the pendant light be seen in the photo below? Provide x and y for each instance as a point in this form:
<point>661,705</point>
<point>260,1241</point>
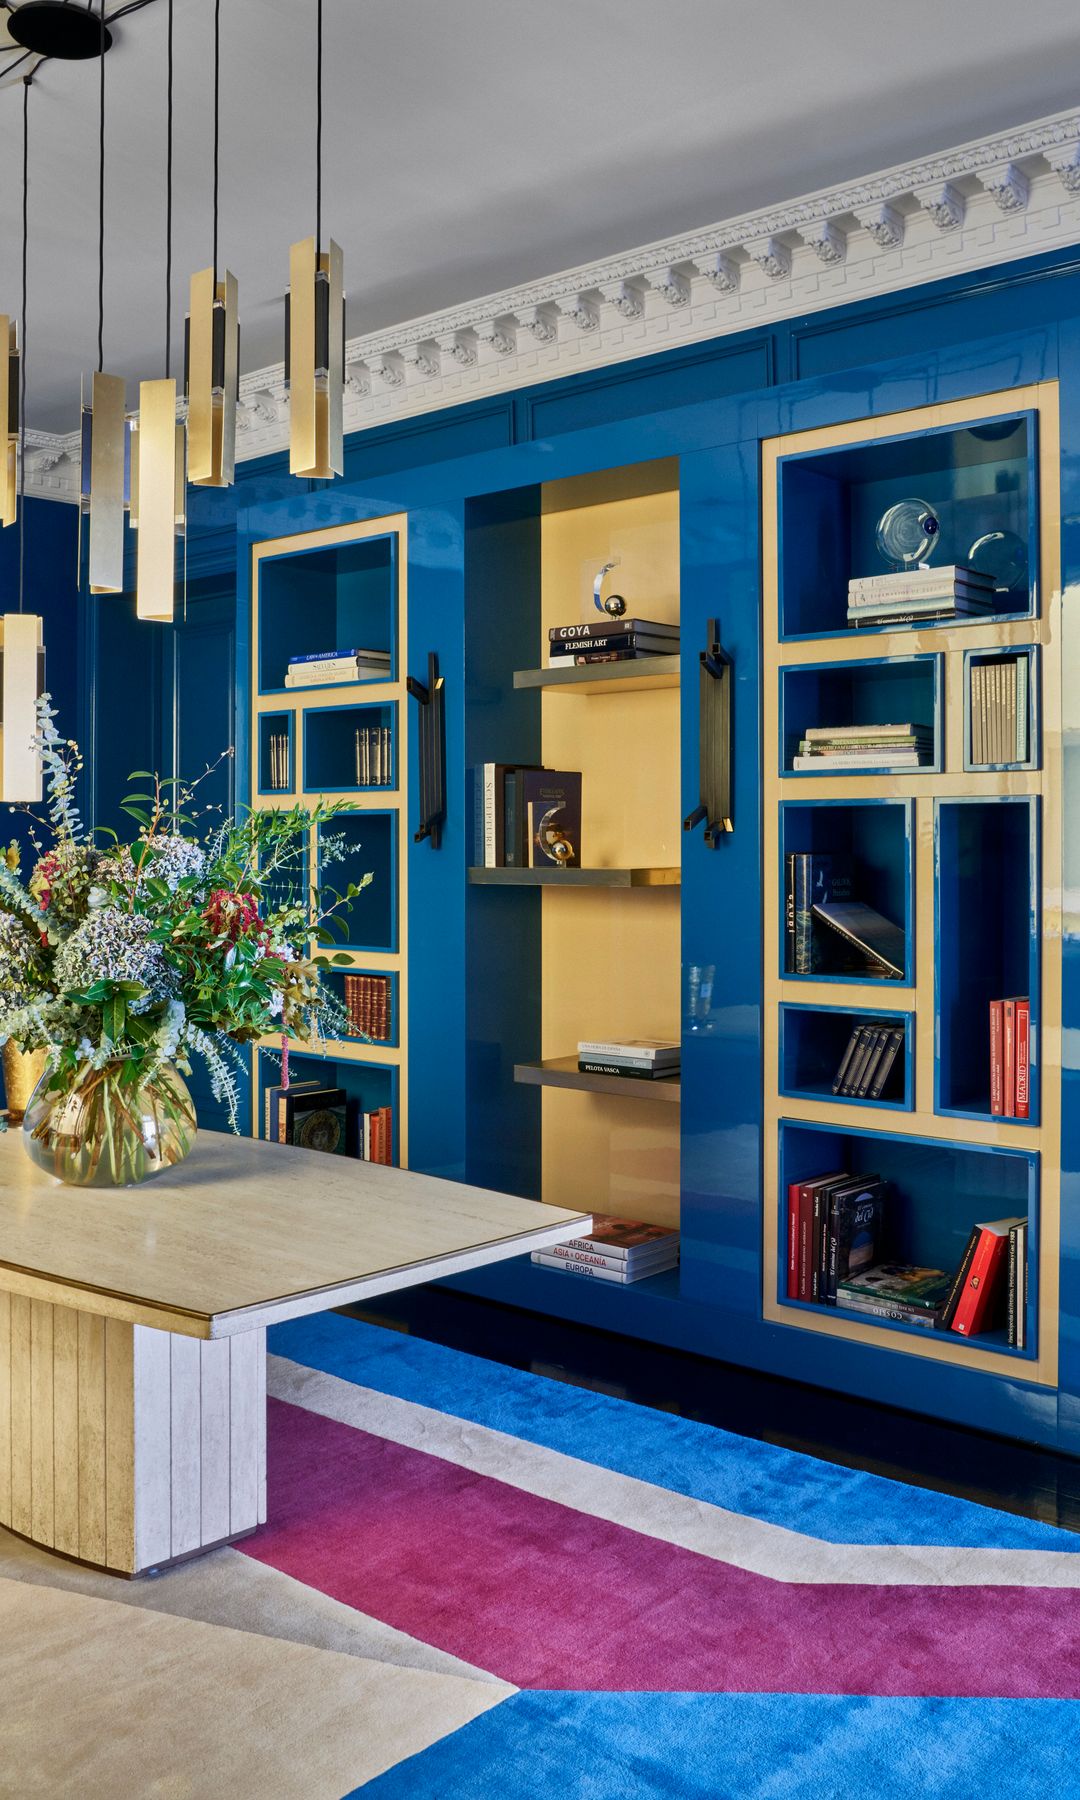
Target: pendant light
<point>315,332</point>
<point>9,418</point>
<point>22,650</point>
<point>158,444</point>
<point>105,438</point>
<point>212,351</point>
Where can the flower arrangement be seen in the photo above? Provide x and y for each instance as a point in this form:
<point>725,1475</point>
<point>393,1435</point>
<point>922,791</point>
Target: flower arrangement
<point>122,961</point>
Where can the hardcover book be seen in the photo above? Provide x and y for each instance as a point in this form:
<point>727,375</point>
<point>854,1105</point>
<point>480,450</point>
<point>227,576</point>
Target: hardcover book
<point>601,628</point>
<point>313,1119</point>
<point>875,938</point>
<point>623,1237</point>
<point>856,1212</point>
<point>814,878</point>
<point>899,1284</point>
<point>552,802</point>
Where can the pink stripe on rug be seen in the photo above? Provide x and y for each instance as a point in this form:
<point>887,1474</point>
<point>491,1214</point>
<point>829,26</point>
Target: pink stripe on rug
<point>548,1597</point>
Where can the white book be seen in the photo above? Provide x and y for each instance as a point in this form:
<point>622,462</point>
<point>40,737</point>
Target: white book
<point>664,1256</point>
<point>547,1261</point>
<point>652,1050</point>
<point>881,759</point>
<point>489,815</point>
<point>816,732</point>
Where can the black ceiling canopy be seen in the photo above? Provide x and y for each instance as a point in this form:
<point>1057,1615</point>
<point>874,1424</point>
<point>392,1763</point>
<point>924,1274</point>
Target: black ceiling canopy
<point>58,28</point>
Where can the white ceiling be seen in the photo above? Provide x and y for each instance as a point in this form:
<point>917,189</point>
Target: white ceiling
<point>470,144</point>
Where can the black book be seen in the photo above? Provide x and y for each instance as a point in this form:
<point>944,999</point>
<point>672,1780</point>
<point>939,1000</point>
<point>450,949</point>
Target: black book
<point>889,1052</point>
<point>605,627</point>
<point>590,1065</point>
<point>876,939</point>
<point>859,1060</point>
<point>515,840</point>
<point>952,1298</point>
<point>854,1233</point>
<point>816,879</point>
<point>839,1085</point>
<point>879,1039</point>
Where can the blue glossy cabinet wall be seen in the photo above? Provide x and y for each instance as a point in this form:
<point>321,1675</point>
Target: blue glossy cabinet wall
<point>468,482</point>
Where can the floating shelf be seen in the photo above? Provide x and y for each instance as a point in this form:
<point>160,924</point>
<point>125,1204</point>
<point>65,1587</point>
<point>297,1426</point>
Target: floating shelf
<point>604,678</point>
<point>609,878</point>
<point>563,1072</point>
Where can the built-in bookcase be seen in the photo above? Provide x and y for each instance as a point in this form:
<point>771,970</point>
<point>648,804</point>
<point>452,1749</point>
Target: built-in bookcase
<point>964,856</point>
<point>591,952</point>
<point>323,590</point>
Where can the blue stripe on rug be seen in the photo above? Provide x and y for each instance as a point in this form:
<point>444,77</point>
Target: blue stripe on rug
<point>746,1747</point>
<point>763,1481</point>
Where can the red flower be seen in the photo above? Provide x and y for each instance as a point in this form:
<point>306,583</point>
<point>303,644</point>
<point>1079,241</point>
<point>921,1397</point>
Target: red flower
<point>234,915</point>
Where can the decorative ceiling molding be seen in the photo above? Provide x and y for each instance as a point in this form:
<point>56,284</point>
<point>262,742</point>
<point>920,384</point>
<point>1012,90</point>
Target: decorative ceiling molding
<point>1006,196</point>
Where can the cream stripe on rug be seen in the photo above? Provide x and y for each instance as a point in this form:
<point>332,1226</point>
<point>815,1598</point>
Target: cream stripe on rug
<point>730,1537</point>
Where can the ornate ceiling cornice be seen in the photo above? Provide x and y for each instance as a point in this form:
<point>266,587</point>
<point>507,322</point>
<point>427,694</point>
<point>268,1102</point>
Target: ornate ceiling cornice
<point>1002,197</point>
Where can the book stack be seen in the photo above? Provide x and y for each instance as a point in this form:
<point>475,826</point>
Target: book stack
<point>315,1117</point>
<point>990,1283</point>
<point>920,596</point>
<point>610,640</point>
<point>835,1225</point>
<point>842,747</point>
<point>309,1115</point>
<point>869,1059</point>
<point>278,751</point>
<point>904,1292</point>
<point>367,1002</point>
<point>999,710</point>
<point>636,1059</point>
<point>523,816</point>
<point>328,668</point>
<point>1010,1058</point>
<point>615,1250</point>
<point>373,758</point>
<point>826,930</point>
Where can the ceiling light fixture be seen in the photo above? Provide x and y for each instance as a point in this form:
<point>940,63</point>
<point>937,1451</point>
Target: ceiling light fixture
<point>315,331</point>
<point>105,437</point>
<point>22,647</point>
<point>158,444</point>
<point>57,28</point>
<point>212,347</point>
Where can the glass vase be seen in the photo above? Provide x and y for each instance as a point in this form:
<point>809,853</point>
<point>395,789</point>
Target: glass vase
<point>109,1127</point>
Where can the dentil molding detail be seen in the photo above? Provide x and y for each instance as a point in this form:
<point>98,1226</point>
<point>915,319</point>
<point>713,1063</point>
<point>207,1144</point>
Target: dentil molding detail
<point>1005,196</point>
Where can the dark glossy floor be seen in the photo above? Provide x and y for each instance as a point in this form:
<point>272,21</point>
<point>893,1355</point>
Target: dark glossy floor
<point>834,1427</point>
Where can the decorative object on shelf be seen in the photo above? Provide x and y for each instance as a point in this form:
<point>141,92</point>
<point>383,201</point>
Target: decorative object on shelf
<point>315,331</point>
<point>159,440</point>
<point>212,350</point>
<point>715,685</point>
<point>432,752</point>
<point>23,1070</point>
<point>106,440</point>
<point>614,605</point>
<point>1002,556</point>
<point>550,803</point>
<point>906,533</point>
<point>624,640</point>
<point>121,962</point>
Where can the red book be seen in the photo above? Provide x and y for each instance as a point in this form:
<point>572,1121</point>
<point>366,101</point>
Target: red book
<point>806,1234</point>
<point>983,1285</point>
<point>1008,1058</point>
<point>1023,1059</point>
<point>793,1240</point>
<point>997,1064</point>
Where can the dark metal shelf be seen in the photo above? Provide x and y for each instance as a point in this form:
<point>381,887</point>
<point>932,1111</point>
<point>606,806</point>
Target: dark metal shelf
<point>563,1072</point>
<point>553,877</point>
<point>604,678</point>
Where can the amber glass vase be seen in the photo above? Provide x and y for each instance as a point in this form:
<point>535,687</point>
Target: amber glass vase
<point>107,1128</point>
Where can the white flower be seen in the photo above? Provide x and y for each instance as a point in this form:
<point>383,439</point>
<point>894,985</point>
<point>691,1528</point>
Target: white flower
<point>111,945</point>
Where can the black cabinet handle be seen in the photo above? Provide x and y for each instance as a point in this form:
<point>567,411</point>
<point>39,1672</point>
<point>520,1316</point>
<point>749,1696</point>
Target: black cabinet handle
<point>715,725</point>
<point>431,700</point>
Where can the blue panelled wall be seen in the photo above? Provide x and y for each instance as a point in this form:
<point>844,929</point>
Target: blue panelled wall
<point>467,479</point>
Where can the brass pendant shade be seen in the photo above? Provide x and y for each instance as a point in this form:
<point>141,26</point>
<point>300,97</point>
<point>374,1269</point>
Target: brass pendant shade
<point>212,378</point>
<point>158,478</point>
<point>315,360</point>
<point>22,660</point>
<point>9,417</point>
<point>103,488</point>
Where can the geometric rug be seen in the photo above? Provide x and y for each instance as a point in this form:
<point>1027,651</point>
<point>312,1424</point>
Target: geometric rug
<point>481,1584</point>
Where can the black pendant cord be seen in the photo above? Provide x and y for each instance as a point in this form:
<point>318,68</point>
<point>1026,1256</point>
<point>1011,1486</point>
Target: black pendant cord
<point>101,207</point>
<point>169,199</point>
<point>27,79</point>
<point>217,121</point>
<point>318,128</point>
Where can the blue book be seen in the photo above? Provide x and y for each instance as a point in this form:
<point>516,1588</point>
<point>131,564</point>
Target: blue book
<point>329,656</point>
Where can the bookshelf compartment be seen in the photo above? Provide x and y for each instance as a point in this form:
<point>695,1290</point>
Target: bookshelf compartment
<point>277,753</point>
<point>812,1043</point>
<point>878,691</point>
<point>341,596</point>
<point>334,758</point>
<point>367,1086</point>
<point>997,743</point>
<point>937,1191</point>
<point>369,842</point>
<point>987,935</point>
<point>978,478</point>
<point>563,1072</point>
<point>875,838</point>
<point>370,1003</point>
